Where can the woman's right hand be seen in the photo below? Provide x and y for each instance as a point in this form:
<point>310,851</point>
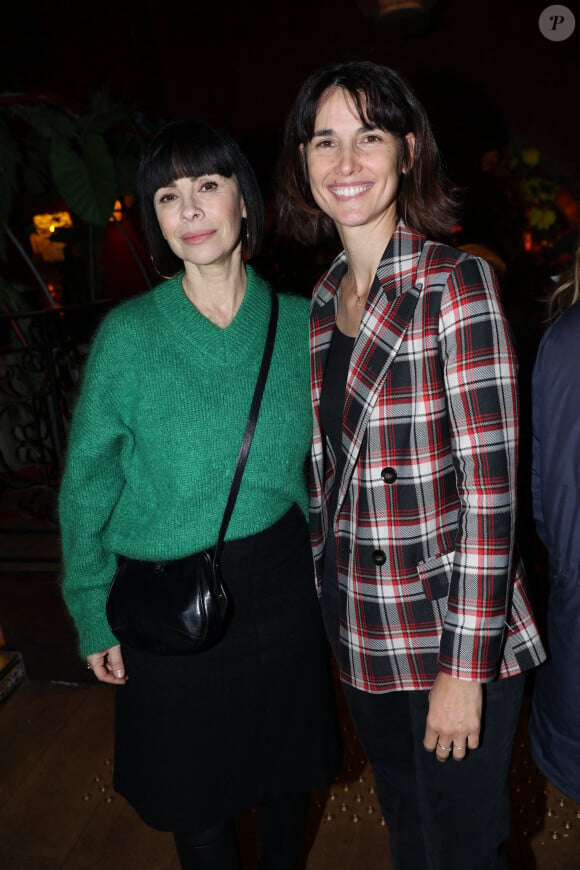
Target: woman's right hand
<point>108,666</point>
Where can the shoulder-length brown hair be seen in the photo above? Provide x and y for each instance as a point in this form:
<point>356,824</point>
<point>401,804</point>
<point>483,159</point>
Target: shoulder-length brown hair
<point>427,202</point>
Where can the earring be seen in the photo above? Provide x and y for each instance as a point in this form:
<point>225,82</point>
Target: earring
<point>244,234</point>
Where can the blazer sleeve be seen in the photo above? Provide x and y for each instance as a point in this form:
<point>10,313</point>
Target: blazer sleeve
<point>480,377</point>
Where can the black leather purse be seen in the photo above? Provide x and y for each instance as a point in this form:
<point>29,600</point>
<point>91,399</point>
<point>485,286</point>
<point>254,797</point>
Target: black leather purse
<point>182,606</point>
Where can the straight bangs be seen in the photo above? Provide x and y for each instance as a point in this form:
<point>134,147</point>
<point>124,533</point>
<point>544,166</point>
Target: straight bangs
<point>380,107</point>
<point>375,112</point>
<point>187,159</point>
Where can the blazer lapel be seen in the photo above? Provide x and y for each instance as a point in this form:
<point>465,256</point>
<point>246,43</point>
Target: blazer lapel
<point>389,311</point>
<point>322,321</point>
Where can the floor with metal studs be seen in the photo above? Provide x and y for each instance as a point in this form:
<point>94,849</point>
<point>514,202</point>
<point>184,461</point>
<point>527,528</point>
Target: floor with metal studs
<point>58,810</point>
<point>57,807</point>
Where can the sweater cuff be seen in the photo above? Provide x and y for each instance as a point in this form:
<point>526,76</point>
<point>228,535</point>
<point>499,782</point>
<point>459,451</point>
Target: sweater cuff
<point>96,641</point>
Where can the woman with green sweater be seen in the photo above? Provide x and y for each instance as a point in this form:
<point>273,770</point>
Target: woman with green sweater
<point>249,722</point>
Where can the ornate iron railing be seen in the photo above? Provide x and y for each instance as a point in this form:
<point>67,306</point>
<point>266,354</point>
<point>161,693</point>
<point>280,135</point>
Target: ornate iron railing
<point>42,355</point>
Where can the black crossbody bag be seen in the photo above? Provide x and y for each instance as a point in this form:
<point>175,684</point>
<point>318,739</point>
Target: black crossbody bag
<point>183,606</point>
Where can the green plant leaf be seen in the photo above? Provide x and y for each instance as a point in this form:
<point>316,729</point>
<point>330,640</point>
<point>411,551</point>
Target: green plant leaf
<point>85,177</point>
<point>45,120</point>
<point>9,165</point>
<point>15,296</point>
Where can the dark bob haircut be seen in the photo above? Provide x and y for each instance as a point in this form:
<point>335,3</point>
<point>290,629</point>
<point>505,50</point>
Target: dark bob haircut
<point>426,201</point>
<point>188,149</point>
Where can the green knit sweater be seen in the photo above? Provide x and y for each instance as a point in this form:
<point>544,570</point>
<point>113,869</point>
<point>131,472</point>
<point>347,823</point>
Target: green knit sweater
<point>156,433</point>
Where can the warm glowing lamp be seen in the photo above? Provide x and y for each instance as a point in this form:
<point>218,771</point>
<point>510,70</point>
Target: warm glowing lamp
<point>117,212</point>
<point>41,240</point>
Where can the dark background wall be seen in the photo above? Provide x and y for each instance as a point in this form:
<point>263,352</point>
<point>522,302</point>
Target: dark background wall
<point>483,69</point>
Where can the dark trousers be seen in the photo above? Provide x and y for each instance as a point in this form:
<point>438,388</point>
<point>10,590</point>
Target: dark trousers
<point>281,826</point>
<point>450,815</point>
<point>441,816</point>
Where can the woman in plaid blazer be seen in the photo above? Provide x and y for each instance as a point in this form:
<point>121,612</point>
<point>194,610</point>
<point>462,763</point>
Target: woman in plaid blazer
<point>414,464</point>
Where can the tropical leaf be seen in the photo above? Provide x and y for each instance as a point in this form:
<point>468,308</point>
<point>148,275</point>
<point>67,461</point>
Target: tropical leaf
<point>15,296</point>
<point>45,120</point>
<point>11,160</point>
<point>89,159</point>
<point>107,113</point>
<point>126,166</point>
<point>86,177</point>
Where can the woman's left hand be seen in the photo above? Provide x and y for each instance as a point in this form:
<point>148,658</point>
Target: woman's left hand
<point>108,666</point>
<point>454,718</point>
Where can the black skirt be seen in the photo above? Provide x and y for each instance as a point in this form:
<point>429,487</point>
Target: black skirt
<point>204,737</point>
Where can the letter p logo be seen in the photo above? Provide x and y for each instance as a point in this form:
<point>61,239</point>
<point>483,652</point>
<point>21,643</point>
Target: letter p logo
<point>557,23</point>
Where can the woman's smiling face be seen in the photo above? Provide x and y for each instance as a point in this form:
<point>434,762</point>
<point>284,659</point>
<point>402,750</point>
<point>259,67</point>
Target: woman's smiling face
<point>353,168</point>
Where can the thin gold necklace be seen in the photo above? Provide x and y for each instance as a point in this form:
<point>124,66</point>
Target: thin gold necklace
<point>359,299</point>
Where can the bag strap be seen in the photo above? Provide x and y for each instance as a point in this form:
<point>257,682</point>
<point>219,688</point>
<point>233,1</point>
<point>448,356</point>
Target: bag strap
<point>250,427</point>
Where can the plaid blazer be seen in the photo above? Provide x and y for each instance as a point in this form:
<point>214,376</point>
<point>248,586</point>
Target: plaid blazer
<point>424,526</point>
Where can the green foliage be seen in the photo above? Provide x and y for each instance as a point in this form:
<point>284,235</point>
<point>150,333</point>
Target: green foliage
<point>9,164</point>
<point>88,159</point>
<point>84,174</point>
<point>14,295</point>
<point>532,218</point>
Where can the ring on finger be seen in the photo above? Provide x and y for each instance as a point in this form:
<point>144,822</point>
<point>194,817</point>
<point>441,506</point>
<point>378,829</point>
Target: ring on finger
<point>444,748</point>
<point>461,748</point>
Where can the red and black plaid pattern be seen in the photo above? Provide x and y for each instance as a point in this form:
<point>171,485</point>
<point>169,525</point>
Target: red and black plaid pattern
<point>426,506</point>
